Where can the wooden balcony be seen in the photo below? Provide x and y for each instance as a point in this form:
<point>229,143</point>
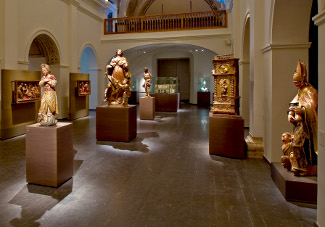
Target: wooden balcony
<point>171,22</point>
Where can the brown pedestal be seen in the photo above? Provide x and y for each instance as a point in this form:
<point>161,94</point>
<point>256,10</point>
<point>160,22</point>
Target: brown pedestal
<point>147,108</point>
<point>114,123</point>
<point>226,136</point>
<point>49,154</point>
<point>203,98</point>
<point>300,189</point>
<point>167,102</point>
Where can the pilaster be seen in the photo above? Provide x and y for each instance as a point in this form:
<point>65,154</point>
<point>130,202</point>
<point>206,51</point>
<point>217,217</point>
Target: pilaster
<point>319,20</point>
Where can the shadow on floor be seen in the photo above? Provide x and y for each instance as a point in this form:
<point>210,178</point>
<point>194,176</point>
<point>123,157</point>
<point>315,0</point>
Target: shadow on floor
<point>47,198</point>
<point>134,145</point>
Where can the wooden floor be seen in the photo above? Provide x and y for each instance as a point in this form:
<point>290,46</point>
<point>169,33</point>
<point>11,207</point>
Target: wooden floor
<point>164,177</point>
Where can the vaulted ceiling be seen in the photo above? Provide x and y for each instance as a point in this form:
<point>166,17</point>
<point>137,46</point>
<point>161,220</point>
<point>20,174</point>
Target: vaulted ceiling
<point>148,7</point>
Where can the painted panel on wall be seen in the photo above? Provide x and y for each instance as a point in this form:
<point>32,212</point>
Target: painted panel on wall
<point>15,117</point>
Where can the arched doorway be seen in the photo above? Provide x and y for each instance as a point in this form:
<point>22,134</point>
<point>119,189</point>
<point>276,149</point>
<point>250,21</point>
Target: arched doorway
<point>88,64</point>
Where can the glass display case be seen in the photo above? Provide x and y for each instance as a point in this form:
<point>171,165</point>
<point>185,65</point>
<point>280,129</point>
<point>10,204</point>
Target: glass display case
<point>134,85</point>
<point>203,91</point>
<point>167,85</point>
<point>203,84</point>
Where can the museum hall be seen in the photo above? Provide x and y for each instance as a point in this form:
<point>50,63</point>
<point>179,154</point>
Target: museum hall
<point>162,113</point>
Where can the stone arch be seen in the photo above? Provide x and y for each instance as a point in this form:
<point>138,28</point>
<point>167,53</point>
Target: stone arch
<point>43,43</point>
<point>200,62</point>
<point>290,21</point>
<point>88,64</point>
<point>246,82</point>
<point>82,49</point>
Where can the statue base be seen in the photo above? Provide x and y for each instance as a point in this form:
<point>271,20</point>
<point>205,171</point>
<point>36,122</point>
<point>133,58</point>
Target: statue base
<point>147,108</point>
<point>49,154</point>
<point>203,98</point>
<point>226,135</point>
<point>116,123</point>
<point>167,102</point>
<point>293,188</point>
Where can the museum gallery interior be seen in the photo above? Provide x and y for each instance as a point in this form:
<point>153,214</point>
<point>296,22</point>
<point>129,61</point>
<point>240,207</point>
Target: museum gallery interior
<point>162,113</point>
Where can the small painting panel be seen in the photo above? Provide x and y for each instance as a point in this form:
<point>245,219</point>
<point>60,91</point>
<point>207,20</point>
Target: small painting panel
<point>83,87</point>
<point>24,91</point>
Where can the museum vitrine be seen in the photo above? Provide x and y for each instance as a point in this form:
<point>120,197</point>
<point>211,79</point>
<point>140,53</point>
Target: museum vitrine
<point>167,85</point>
<point>203,92</point>
<point>203,84</point>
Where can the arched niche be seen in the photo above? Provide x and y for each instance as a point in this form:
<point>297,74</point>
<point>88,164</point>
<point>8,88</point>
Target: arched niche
<point>43,49</point>
<point>88,65</point>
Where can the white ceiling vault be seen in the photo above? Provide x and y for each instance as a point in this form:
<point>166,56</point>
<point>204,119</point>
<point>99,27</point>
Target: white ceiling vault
<point>131,8</point>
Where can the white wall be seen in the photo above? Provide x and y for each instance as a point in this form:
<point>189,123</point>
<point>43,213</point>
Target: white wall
<point>71,26</point>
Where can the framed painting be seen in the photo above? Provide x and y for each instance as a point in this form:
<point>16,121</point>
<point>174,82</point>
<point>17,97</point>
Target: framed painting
<point>24,91</point>
<point>83,87</point>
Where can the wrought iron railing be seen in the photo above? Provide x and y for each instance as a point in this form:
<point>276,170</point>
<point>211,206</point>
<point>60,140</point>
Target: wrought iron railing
<point>170,22</point>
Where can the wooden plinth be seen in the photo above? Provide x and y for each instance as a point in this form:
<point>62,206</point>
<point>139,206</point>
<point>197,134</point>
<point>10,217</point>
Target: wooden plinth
<point>203,98</point>
<point>300,189</point>
<point>115,123</point>
<point>226,136</point>
<point>147,108</point>
<point>167,102</point>
<point>49,154</point>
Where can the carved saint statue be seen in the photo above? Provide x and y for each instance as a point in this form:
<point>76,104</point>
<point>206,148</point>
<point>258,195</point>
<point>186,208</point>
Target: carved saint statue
<point>147,81</point>
<point>286,158</point>
<point>302,114</point>
<point>47,114</point>
<point>118,88</point>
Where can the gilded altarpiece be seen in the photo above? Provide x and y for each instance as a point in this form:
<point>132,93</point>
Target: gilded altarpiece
<point>226,126</point>
<point>226,95</point>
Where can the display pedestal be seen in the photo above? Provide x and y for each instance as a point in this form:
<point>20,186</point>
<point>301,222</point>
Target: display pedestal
<point>203,98</point>
<point>147,108</point>
<point>300,189</point>
<point>116,123</point>
<point>133,99</point>
<point>167,102</point>
<point>49,154</point>
<point>226,135</point>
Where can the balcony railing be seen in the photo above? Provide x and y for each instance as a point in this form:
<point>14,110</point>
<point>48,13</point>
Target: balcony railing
<point>171,22</point>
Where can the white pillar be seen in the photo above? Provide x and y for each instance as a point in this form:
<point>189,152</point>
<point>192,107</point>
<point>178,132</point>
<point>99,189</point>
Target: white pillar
<point>256,67</point>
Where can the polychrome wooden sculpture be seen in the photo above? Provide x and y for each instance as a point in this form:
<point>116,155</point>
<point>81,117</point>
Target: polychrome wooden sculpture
<point>49,110</point>
<point>302,114</point>
<point>225,72</point>
<point>147,81</point>
<point>118,88</point>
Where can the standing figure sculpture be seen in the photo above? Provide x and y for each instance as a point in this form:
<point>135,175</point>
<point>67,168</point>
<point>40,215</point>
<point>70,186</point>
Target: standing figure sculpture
<point>47,114</point>
<point>147,81</point>
<point>303,115</point>
<point>118,88</point>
